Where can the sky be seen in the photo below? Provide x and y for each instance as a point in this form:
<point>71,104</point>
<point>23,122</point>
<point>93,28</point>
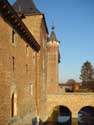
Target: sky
<point>74,28</point>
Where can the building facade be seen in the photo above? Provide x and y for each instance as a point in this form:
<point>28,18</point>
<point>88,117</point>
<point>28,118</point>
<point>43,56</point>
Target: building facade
<point>25,55</point>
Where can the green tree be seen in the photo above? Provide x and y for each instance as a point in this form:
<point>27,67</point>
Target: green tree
<point>86,72</point>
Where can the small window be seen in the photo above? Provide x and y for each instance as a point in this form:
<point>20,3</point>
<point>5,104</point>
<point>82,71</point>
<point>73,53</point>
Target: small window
<point>13,63</point>
<point>14,105</point>
<point>13,37</point>
<point>27,50</point>
<point>26,67</point>
<point>31,89</point>
<point>33,58</point>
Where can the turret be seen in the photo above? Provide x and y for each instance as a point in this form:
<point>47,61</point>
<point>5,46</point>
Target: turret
<point>53,57</point>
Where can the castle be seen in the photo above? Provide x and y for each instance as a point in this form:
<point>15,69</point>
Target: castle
<point>28,63</point>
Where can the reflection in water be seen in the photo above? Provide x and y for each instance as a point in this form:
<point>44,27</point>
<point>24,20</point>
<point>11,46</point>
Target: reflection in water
<point>86,116</point>
<point>62,116</point>
<point>63,119</point>
<point>74,122</point>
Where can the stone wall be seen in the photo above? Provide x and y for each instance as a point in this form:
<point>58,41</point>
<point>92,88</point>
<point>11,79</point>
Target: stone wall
<point>73,101</point>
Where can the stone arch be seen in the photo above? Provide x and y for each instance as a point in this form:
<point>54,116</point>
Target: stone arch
<point>86,115</point>
<point>60,114</point>
<point>65,115</point>
<point>14,104</point>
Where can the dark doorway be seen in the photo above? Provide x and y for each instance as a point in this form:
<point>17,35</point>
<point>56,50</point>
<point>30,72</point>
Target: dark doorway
<point>86,116</point>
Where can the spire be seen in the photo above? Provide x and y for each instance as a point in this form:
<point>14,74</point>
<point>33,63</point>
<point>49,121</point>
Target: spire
<point>25,7</point>
<point>53,36</point>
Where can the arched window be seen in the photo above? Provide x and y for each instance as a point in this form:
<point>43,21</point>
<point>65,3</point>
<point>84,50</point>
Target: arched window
<point>14,105</point>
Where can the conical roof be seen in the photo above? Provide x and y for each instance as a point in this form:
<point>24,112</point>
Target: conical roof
<point>53,35</point>
<point>25,7</point>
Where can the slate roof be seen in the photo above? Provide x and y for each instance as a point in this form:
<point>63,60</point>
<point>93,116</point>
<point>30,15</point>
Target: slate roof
<point>25,7</point>
<point>53,35</point>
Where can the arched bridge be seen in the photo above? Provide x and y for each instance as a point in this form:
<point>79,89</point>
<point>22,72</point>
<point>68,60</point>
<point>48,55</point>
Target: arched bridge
<point>73,101</point>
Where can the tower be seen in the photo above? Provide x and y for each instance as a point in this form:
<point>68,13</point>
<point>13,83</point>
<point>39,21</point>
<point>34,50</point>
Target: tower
<point>53,58</point>
<point>35,22</point>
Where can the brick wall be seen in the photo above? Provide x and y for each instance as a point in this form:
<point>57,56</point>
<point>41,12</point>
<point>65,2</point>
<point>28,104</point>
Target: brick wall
<point>35,24</point>
<point>20,69</point>
<point>52,67</point>
<point>73,101</point>
<point>17,81</point>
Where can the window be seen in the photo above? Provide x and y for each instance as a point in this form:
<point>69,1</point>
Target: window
<point>26,67</point>
<point>33,58</point>
<point>13,37</point>
<point>14,105</point>
<point>13,63</point>
<point>27,50</point>
<point>31,88</point>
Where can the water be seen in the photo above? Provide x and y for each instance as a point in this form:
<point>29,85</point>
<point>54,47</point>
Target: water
<point>63,118</point>
<point>74,122</point>
<point>85,117</point>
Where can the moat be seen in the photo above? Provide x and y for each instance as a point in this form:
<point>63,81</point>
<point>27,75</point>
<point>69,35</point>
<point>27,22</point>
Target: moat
<point>74,122</point>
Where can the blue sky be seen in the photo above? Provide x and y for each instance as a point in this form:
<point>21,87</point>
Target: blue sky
<point>74,27</point>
